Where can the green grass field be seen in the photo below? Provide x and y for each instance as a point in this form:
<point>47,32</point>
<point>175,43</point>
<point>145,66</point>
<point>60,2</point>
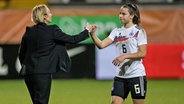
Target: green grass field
<point>88,91</point>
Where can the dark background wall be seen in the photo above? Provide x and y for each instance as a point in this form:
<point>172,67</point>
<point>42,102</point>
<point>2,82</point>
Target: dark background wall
<point>83,63</point>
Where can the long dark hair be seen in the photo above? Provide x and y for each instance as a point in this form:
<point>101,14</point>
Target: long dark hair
<point>133,10</point>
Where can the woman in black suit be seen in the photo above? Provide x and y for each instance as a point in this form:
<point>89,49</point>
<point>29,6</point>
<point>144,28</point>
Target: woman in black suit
<point>42,52</point>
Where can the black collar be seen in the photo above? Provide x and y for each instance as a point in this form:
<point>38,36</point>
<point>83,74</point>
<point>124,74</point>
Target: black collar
<point>41,23</point>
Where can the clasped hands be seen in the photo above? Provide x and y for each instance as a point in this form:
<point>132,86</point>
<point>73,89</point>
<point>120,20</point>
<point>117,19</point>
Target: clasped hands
<point>91,28</point>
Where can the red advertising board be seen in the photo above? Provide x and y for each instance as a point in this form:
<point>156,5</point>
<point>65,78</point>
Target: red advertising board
<point>165,61</point>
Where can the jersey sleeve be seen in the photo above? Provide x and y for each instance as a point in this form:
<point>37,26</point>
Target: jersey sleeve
<point>142,38</point>
<point>112,34</point>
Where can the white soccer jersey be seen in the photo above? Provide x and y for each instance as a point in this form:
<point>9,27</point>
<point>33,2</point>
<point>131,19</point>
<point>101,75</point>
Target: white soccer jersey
<point>127,40</point>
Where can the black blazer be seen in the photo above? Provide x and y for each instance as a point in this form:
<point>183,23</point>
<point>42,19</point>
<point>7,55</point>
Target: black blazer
<point>43,50</point>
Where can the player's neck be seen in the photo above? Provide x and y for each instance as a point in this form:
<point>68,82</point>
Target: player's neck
<point>128,25</point>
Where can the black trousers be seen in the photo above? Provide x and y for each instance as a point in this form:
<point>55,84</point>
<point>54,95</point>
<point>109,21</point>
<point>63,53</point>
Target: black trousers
<point>39,86</point>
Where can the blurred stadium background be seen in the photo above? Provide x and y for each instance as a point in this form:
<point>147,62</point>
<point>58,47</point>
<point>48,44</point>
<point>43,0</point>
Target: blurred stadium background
<point>91,67</point>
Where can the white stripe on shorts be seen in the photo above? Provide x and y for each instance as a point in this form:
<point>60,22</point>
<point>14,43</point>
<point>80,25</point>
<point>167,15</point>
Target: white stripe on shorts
<point>141,79</point>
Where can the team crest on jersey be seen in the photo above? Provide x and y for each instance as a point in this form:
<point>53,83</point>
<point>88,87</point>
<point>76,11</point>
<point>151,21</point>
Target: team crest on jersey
<point>131,34</point>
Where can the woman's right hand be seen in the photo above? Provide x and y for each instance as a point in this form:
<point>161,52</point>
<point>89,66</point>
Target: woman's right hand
<point>93,29</point>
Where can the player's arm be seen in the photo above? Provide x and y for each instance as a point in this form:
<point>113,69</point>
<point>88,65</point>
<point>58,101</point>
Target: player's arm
<point>100,44</point>
<point>141,53</point>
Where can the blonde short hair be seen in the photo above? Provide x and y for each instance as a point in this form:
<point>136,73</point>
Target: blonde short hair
<point>38,13</point>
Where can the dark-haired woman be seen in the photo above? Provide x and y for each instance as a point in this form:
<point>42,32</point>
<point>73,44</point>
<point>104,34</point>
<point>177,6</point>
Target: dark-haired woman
<point>130,40</point>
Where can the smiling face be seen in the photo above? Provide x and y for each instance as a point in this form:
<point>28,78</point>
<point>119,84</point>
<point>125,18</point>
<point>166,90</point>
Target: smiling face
<point>125,16</point>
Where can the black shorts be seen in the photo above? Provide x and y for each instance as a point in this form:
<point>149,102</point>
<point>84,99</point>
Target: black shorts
<point>137,86</point>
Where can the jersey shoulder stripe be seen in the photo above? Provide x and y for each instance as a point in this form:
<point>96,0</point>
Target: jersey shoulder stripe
<point>138,27</point>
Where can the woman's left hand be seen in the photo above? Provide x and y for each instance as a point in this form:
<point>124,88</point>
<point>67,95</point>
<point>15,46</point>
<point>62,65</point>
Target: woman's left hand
<point>118,60</point>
